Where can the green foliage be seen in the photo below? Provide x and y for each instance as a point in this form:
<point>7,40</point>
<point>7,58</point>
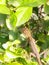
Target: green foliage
<point>47,8</point>
<point>23,14</point>
<point>14,15</point>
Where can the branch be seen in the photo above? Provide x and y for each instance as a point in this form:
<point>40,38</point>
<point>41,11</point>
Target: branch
<point>44,52</point>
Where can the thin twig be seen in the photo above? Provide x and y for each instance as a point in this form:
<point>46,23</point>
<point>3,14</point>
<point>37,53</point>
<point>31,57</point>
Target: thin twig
<point>42,53</point>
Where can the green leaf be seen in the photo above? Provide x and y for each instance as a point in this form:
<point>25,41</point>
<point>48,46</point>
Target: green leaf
<point>12,35</point>
<point>23,15</point>
<point>4,9</point>
<point>1,57</point>
<point>2,1</point>
<point>46,59</point>
<point>14,63</point>
<point>9,56</point>
<point>22,60</point>
<point>32,3</point>
<point>33,63</point>
<point>2,19</point>
<point>46,8</point>
<point>11,21</point>
<point>14,3</point>
<point>16,42</point>
<point>6,45</point>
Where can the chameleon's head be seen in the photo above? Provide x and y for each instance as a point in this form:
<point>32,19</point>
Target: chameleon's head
<point>26,32</point>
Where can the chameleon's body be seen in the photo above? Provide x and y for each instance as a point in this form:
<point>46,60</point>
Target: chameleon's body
<point>32,42</point>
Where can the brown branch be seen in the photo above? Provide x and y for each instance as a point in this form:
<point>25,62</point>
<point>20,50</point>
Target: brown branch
<point>32,43</point>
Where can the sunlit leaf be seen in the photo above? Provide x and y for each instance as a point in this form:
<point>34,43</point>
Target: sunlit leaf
<point>4,9</point>
<point>15,63</point>
<point>46,8</point>
<point>9,56</point>
<point>32,3</point>
<point>23,15</point>
<point>6,45</point>
<point>2,1</point>
<point>1,57</point>
<point>11,21</point>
